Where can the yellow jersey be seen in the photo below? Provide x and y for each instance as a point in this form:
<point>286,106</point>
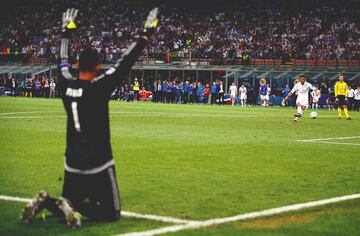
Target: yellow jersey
<point>136,86</point>
<point>341,88</point>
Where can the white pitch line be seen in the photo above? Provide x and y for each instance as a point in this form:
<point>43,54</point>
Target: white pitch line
<point>157,218</point>
<point>26,112</point>
<point>29,117</point>
<point>123,213</point>
<point>324,139</point>
<point>14,199</point>
<point>246,216</point>
<point>326,142</point>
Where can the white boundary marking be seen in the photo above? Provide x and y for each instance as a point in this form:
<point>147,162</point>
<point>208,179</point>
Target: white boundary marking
<point>30,117</point>
<point>325,140</point>
<point>246,216</point>
<point>26,112</point>
<point>188,224</point>
<point>353,144</point>
<point>157,218</point>
<point>123,213</point>
<point>14,199</point>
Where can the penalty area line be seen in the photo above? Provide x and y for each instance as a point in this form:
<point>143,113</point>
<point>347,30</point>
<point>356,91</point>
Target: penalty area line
<point>331,140</point>
<point>241,217</point>
<point>327,142</point>
<point>165,219</point>
<point>26,112</point>
<point>325,139</point>
<point>30,117</point>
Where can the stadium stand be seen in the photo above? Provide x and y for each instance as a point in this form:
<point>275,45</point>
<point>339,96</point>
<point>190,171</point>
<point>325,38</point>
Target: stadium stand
<point>238,42</point>
<point>315,34</point>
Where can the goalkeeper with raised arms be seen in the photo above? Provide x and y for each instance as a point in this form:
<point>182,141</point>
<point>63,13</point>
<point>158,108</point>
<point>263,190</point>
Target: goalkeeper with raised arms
<point>90,188</point>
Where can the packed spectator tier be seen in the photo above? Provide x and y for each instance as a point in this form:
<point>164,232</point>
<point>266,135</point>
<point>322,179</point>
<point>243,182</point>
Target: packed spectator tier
<point>322,33</point>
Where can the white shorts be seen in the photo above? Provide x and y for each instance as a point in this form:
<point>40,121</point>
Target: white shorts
<point>243,97</point>
<point>316,99</point>
<point>232,96</point>
<point>302,101</point>
<point>264,97</point>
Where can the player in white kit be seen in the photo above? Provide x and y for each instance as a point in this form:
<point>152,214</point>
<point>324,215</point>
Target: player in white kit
<point>233,90</point>
<point>302,88</point>
<point>243,95</point>
<point>315,94</point>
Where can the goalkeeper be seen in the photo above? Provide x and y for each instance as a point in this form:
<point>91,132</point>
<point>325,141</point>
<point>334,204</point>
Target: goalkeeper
<point>90,188</point>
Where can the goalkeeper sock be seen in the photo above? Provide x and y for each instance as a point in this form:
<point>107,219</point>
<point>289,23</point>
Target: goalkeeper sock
<point>339,111</point>
<point>346,112</point>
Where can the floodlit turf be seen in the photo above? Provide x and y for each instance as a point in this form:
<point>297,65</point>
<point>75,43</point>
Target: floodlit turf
<point>188,161</point>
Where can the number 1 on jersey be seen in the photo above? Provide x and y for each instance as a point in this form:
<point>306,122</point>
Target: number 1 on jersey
<point>75,116</point>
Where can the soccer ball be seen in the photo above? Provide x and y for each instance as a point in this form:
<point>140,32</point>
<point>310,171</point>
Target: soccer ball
<point>313,115</point>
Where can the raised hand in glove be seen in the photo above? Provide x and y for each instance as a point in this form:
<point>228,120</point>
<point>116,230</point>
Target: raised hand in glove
<point>151,22</point>
<point>68,20</point>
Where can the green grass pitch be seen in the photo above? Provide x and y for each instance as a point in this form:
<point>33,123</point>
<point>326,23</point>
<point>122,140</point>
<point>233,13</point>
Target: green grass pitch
<point>193,162</point>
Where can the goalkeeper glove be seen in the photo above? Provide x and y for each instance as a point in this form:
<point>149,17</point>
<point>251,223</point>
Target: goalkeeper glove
<point>68,20</point>
<point>151,22</point>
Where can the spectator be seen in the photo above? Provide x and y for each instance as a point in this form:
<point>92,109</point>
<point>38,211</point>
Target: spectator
<point>214,92</point>
<point>164,89</point>
<point>136,89</point>
<point>52,88</point>
<point>331,99</point>
<point>350,97</point>
<point>46,86</point>
<point>186,90</point>
<point>357,99</point>
<point>29,87</point>
<point>37,87</point>
<point>221,93</point>
<point>328,31</point>
<point>22,87</point>
<point>193,92</point>
<point>155,94</point>
<point>11,85</point>
<point>179,92</point>
<point>199,93</point>
<point>284,93</point>
<point>206,94</point>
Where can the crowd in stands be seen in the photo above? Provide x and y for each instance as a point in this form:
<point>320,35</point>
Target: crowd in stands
<point>327,32</point>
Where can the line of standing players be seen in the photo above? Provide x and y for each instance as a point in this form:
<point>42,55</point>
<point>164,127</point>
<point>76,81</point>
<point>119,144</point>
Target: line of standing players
<point>186,92</point>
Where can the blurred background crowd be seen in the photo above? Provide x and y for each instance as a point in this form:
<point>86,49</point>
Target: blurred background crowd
<point>223,31</point>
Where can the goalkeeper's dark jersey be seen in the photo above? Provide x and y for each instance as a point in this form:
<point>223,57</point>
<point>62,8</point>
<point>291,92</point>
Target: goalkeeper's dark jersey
<point>88,148</point>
